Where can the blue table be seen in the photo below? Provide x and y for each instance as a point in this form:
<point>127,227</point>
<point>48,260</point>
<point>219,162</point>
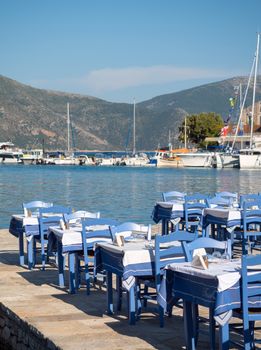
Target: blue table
<point>227,219</point>
<point>166,212</point>
<point>21,226</point>
<point>69,241</point>
<point>127,262</point>
<point>200,287</point>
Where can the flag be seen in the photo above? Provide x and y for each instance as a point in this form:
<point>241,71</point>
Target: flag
<point>224,131</point>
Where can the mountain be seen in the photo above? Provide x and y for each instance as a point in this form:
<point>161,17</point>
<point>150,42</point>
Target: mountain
<point>29,116</point>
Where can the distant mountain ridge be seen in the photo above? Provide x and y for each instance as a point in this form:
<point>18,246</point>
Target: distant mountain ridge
<point>29,115</point>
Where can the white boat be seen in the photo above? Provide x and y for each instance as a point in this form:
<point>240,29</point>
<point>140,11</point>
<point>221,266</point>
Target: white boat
<point>32,156</point>
<point>136,160</point>
<point>250,158</point>
<point>166,157</point>
<point>197,159</point>
<point>8,153</point>
<point>85,160</point>
<point>225,160</point>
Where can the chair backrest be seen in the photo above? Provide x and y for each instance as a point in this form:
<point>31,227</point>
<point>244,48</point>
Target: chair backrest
<point>173,196</point>
<point>248,198</point>
<point>51,216</point>
<point>251,288</point>
<point>94,231</point>
<point>34,207</point>
<point>206,243</point>
<point>251,216</point>
<point>193,208</point>
<point>218,202</point>
<point>168,249</point>
<point>128,228</point>
<point>232,197</point>
<point>78,215</point>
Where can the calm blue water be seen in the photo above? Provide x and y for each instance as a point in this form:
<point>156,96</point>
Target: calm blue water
<point>118,192</point>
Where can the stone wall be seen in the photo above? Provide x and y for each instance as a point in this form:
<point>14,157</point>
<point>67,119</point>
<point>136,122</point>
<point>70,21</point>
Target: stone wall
<point>16,334</point>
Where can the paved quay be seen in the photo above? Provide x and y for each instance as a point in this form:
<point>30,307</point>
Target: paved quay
<point>77,321</point>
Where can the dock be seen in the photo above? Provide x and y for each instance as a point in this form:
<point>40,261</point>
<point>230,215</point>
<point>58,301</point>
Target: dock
<point>36,314</point>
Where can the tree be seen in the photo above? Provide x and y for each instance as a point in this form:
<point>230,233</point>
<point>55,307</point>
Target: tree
<point>200,126</point>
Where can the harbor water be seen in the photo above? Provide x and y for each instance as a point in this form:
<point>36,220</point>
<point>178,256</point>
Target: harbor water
<point>123,193</point>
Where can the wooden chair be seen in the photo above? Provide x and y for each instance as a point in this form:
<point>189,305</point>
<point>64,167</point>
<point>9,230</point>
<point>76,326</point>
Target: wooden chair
<point>50,216</point>
<point>34,206</point>
<point>94,230</point>
<point>251,215</point>
<point>250,197</point>
<point>193,209</point>
<point>173,196</point>
<point>232,197</point>
<point>78,215</point>
<point>250,295</point>
<point>210,244</point>
<point>168,249</point>
<point>128,228</point>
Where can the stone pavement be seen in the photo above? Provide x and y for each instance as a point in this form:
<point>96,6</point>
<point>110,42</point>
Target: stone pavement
<point>77,321</point>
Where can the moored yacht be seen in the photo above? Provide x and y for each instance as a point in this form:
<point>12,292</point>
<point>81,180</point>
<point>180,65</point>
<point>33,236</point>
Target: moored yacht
<point>197,159</point>
<point>32,156</point>
<point>8,153</point>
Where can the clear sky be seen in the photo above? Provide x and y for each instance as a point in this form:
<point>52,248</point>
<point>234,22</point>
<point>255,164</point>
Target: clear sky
<point>121,49</point>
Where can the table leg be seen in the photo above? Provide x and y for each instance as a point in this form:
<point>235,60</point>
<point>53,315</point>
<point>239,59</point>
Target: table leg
<point>30,253</point>
<point>119,292</point>
<point>21,248</point>
<point>72,273</point>
<point>188,325</point>
<point>109,293</point>
<point>132,305</point>
<point>224,337</point>
<point>60,259</point>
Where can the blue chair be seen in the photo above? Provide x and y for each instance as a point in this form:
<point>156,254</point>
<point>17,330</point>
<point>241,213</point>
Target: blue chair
<point>173,196</point>
<point>50,216</point>
<point>193,208</point>
<point>78,215</point>
<point>34,206</point>
<point>168,249</point>
<point>210,244</point>
<point>248,198</point>
<point>250,295</point>
<point>128,228</point>
<point>218,201</point>
<point>251,215</point>
<point>94,230</point>
<point>232,197</point>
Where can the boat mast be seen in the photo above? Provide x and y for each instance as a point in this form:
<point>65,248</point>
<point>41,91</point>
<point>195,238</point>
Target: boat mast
<point>185,133</point>
<point>68,127</point>
<point>134,128</point>
<point>254,92</point>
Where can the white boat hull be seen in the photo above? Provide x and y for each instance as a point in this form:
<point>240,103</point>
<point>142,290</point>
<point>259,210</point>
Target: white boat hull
<point>169,163</point>
<point>226,160</point>
<point>250,161</point>
<point>204,160</point>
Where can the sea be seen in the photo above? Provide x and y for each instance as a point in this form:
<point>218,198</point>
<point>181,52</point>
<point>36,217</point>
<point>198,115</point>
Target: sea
<point>123,193</point>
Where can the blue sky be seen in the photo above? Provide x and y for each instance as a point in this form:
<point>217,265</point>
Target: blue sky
<point>118,50</point>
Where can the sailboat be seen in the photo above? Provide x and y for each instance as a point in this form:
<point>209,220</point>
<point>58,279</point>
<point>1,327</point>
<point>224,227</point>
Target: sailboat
<point>135,159</point>
<point>250,158</point>
<point>68,157</point>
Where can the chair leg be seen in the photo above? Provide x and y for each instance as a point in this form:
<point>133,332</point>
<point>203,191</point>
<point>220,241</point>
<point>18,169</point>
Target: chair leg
<point>42,255</point>
<point>161,316</point>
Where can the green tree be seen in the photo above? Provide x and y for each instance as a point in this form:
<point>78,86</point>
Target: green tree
<point>200,126</point>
